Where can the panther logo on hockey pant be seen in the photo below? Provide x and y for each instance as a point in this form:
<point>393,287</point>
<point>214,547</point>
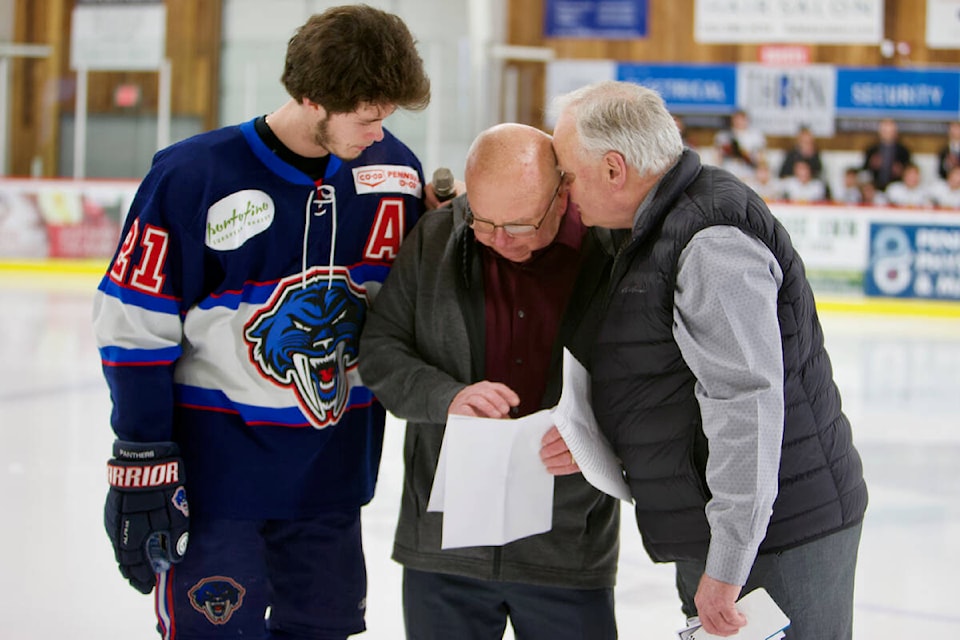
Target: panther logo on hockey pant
<point>217,598</point>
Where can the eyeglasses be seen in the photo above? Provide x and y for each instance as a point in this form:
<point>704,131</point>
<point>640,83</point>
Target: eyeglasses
<point>512,229</point>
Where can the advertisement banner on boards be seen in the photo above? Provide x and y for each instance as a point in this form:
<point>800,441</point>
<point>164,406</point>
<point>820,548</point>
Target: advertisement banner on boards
<point>913,261</point>
<point>62,218</point>
<point>827,238</point>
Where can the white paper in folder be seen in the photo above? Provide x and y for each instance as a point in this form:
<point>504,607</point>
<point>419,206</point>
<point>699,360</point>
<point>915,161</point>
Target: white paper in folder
<point>765,620</point>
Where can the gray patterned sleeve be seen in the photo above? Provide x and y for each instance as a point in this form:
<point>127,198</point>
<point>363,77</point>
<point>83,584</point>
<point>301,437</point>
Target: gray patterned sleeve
<point>725,322</point>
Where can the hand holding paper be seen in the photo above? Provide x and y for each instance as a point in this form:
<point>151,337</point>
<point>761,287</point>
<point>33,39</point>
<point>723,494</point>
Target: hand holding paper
<point>765,620</point>
<point>556,455</point>
<point>574,417</point>
<point>491,484</point>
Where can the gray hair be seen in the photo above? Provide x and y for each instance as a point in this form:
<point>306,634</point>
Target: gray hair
<point>627,118</point>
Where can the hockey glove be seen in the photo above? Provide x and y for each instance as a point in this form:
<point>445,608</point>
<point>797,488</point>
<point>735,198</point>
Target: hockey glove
<point>146,514</point>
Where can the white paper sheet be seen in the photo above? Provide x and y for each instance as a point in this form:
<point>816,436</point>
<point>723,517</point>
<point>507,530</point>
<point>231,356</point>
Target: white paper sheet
<point>492,486</point>
<point>490,483</point>
<point>574,418</point>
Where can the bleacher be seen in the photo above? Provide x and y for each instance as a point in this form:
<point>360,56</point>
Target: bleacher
<point>835,163</point>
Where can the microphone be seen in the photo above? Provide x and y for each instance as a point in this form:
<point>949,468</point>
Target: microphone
<point>443,184</point>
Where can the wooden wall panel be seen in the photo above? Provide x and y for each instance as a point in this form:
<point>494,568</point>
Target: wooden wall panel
<point>44,90</point>
<point>193,47</point>
<point>35,84</point>
<point>671,40</point>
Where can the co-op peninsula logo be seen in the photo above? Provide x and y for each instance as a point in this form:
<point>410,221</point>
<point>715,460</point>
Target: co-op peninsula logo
<point>386,178</point>
<point>236,218</point>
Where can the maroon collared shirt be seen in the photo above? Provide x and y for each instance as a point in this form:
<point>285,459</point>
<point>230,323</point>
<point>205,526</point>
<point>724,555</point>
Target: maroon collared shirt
<point>524,304</point>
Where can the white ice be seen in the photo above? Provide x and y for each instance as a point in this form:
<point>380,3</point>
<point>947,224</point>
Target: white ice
<point>899,376</point>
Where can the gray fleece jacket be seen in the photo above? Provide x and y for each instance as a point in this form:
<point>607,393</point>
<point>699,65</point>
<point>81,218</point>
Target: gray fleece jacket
<point>422,343</point>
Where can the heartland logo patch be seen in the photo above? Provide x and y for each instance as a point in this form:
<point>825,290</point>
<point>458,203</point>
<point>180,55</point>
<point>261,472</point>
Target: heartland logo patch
<point>233,220</point>
<point>387,178</point>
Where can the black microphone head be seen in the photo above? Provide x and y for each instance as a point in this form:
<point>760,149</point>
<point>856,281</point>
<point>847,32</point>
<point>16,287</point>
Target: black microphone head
<point>443,184</point>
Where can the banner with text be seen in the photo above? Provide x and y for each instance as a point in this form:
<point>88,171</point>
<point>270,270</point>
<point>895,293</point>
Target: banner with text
<point>779,98</point>
<point>62,218</point>
<point>782,99</point>
<point>943,24</point>
<point>596,19</point>
<point>807,21</point>
<point>118,36</point>
<point>898,93</point>
<point>913,261</point>
<point>706,88</point>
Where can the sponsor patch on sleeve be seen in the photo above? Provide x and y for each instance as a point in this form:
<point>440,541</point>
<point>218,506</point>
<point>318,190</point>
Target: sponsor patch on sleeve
<point>387,178</point>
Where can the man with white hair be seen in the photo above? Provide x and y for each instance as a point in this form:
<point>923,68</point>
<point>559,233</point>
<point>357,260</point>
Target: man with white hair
<point>710,376</point>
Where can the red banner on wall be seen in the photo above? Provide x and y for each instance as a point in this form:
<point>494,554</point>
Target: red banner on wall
<point>62,218</point>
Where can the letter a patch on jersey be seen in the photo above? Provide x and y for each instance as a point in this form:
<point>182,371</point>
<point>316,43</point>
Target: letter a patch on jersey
<point>386,233</point>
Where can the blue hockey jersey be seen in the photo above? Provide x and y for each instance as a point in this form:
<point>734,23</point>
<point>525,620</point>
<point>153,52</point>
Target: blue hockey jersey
<point>229,318</point>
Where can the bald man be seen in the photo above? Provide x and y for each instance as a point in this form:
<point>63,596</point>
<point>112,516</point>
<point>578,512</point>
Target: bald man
<point>472,320</point>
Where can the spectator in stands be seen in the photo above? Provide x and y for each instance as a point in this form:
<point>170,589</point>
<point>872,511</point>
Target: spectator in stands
<point>949,156</point>
<point>802,186</point>
<point>909,191</point>
<point>946,193</point>
<point>886,158</point>
<point>850,193</point>
<point>804,148</point>
<point>871,196</point>
<point>740,147</point>
<point>764,183</point>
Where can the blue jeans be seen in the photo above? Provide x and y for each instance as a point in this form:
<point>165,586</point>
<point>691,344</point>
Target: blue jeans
<point>812,583</point>
<point>438,606</point>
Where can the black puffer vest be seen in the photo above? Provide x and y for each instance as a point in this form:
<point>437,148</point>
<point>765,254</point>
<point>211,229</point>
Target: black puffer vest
<point>643,392</point>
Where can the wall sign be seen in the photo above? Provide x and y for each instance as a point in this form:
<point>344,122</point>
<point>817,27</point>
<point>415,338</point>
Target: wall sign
<point>898,93</point>
<point>118,36</point>
<point>806,21</point>
<point>596,19</point>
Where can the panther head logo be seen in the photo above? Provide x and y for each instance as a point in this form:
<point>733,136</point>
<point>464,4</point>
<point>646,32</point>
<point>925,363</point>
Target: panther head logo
<point>305,337</point>
<point>179,501</point>
<point>217,598</point>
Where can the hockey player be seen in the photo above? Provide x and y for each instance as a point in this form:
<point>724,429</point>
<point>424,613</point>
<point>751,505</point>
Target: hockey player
<point>228,324</point>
